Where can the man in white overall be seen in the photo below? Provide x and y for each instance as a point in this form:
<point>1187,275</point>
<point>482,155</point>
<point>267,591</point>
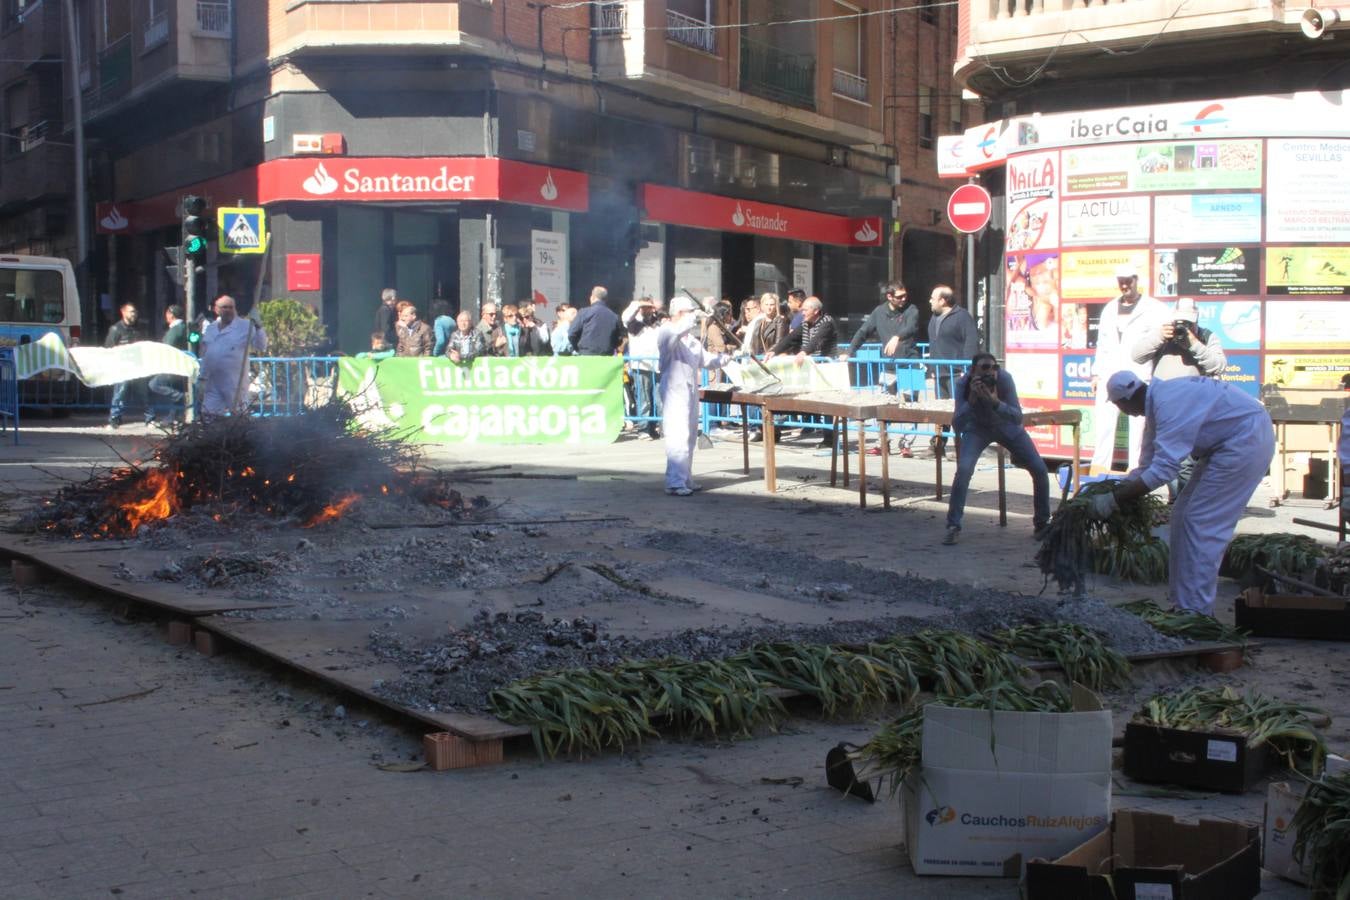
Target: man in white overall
<point>681,358</point>
<point>225,343</point>
<point>1123,322</point>
<point>1232,439</point>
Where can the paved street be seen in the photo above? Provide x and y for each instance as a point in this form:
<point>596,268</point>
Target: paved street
<point>138,769</point>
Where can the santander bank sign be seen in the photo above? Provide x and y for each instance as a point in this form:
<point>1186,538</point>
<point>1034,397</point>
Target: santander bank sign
<point>375,179</point>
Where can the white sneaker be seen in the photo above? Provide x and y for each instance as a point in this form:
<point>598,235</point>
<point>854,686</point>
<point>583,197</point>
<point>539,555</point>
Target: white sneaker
<point>679,491</point>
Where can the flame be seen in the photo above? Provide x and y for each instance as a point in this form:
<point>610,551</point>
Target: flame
<point>333,510</point>
<point>161,502</point>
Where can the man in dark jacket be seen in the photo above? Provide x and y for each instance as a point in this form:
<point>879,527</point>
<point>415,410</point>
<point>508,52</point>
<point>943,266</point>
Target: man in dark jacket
<point>952,335</point>
<point>386,316</point>
<point>895,324</point>
<point>597,330</point>
<point>169,390</point>
<point>126,331</point>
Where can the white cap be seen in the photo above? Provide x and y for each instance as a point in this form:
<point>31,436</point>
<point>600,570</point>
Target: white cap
<point>1186,310</point>
<point>1127,270</point>
<point>1121,385</point>
<point>681,304</point>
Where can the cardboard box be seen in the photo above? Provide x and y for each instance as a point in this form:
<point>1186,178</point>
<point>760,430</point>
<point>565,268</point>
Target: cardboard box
<point>994,789</point>
<point>1283,799</point>
<point>1294,616</point>
<point>1208,760</point>
<point>1150,856</point>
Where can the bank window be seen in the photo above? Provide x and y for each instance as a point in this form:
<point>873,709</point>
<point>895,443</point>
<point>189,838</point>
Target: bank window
<point>848,39</point>
<point>116,21</point>
<point>925,116</point>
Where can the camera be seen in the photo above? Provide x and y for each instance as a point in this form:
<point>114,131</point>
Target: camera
<point>990,379</point>
<point>1181,332</point>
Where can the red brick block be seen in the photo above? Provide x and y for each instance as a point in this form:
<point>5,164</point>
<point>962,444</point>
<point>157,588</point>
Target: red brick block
<point>26,574</point>
<point>449,751</point>
<point>1223,660</point>
<point>208,643</point>
<point>180,633</point>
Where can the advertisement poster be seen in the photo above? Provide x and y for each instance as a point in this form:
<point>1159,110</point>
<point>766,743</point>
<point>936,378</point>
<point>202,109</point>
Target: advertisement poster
<point>1031,305</point>
<point>1164,273</point>
<point>803,274</point>
<point>1307,270</point>
<point>1098,170</point>
<point>1105,220</point>
<point>1033,201</point>
<point>1298,370</point>
<point>1198,166</point>
<point>1076,378</point>
<point>649,272</point>
<point>1236,322</point>
<point>1207,219</point>
<point>1036,374</point>
<point>1307,192</point>
<point>701,277</point>
<point>1244,370</point>
<point>532,400</point>
<point>1305,324</point>
<point>1224,272</point>
<point>1091,275</point>
<point>548,267</point>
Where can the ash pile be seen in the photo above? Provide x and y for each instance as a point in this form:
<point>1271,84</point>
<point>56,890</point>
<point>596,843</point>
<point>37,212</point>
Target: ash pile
<point>303,470</point>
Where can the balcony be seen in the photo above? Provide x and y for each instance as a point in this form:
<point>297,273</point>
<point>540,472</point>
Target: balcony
<point>156,31</point>
<point>776,74</point>
<point>846,84</point>
<point>316,27</point>
<point>1197,35</point>
<point>690,32</point>
<point>33,168</point>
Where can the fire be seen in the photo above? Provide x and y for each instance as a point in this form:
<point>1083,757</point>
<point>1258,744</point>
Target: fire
<point>333,510</point>
<point>158,500</point>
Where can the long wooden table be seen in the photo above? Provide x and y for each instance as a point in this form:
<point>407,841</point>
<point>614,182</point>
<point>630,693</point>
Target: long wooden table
<point>885,414</point>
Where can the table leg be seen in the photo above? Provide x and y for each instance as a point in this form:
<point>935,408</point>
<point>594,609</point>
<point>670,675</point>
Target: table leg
<point>834,461</point>
<point>885,467</point>
<point>1077,457</point>
<point>1002,493</point>
<point>770,465</point>
<point>745,439</point>
<point>835,422</point>
<point>862,463</point>
<point>956,442</point>
<point>1279,465</point>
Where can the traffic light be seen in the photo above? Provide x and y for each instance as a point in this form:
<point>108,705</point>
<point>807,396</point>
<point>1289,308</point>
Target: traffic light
<point>194,230</point>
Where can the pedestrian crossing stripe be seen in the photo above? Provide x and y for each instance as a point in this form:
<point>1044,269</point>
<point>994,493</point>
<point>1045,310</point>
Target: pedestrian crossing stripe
<point>242,229</point>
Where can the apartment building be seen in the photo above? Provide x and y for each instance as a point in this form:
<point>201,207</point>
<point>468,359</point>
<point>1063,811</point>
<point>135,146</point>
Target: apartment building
<point>472,151</point>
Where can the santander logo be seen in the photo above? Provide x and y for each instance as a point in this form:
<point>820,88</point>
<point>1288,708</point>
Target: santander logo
<point>549,190</point>
<point>320,182</point>
<point>114,220</point>
<point>743,217</point>
<point>866,233</point>
<point>738,217</point>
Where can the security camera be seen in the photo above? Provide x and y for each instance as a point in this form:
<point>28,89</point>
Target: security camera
<point>1315,22</point>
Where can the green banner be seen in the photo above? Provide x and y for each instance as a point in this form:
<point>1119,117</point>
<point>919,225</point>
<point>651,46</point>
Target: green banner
<point>533,400</point>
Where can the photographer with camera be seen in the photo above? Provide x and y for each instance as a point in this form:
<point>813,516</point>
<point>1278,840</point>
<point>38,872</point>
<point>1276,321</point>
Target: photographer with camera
<point>988,412</point>
<point>641,319</point>
<point>1176,349</point>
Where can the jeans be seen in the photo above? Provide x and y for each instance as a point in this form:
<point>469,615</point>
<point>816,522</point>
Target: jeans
<point>166,394</point>
<point>136,388</point>
<point>1024,454</point>
<point>645,404</point>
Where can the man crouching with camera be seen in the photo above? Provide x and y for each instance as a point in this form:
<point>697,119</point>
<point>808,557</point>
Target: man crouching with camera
<point>1176,349</point>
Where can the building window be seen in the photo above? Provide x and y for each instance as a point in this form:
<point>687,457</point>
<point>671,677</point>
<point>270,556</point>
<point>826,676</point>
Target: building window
<point>928,11</point>
<point>956,110</point>
<point>925,116</point>
<point>850,54</point>
<point>15,118</point>
<point>14,10</point>
<point>116,21</point>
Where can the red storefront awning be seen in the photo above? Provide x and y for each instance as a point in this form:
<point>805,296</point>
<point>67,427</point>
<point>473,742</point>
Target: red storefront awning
<point>676,206</point>
<point>361,179</point>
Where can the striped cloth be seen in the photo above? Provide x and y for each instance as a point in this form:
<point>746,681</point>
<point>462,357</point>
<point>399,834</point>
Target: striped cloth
<point>99,366</point>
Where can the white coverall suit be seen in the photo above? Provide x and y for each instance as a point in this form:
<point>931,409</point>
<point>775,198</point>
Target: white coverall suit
<point>681,358</point>
<point>1233,441</point>
<point>1116,337</point>
<point>224,381</point>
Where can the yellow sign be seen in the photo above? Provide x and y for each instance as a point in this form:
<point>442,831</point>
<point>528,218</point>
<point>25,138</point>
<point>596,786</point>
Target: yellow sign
<point>1091,275</point>
<point>242,229</point>
<point>1299,370</point>
<point>1308,270</point>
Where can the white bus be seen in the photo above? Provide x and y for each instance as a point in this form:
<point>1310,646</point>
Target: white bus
<point>38,296</point>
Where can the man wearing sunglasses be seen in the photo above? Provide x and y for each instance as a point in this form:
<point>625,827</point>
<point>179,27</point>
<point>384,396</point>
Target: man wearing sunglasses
<point>988,412</point>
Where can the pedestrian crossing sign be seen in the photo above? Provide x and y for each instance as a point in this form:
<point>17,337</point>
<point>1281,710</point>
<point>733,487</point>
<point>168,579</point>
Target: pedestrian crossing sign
<point>242,229</point>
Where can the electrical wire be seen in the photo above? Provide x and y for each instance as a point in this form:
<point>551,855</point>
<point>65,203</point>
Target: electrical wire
<point>709,26</point>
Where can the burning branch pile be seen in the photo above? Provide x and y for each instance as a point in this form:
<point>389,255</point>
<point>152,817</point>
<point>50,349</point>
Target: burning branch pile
<point>312,467</point>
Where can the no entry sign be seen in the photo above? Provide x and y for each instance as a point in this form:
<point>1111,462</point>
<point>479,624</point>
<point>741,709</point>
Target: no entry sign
<point>969,208</point>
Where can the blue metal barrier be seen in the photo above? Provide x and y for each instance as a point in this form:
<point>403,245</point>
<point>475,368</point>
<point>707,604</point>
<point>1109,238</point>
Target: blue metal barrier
<point>9,392</point>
